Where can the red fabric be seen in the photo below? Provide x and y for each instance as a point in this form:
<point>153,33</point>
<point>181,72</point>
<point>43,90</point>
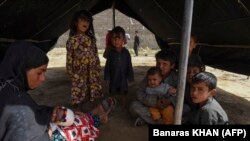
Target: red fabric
<point>108,39</point>
<point>82,129</point>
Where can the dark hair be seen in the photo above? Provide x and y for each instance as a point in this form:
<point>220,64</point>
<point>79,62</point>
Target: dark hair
<point>153,71</point>
<point>86,15</point>
<point>195,61</point>
<point>118,30</point>
<point>206,77</point>
<point>166,55</point>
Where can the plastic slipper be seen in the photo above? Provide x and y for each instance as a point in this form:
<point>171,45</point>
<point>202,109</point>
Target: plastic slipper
<point>139,122</point>
<point>108,104</point>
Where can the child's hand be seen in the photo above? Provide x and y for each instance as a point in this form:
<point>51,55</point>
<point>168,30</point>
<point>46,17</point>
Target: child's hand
<point>162,103</point>
<point>172,91</point>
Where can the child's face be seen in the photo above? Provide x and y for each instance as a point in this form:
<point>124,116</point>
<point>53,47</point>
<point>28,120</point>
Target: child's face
<point>192,44</point>
<point>117,40</point>
<point>200,93</point>
<point>165,66</point>
<point>191,71</point>
<point>82,25</point>
<point>154,80</point>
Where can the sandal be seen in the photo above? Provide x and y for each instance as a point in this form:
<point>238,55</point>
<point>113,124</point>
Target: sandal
<point>104,109</point>
<point>139,122</point>
<point>103,114</point>
<point>108,104</point>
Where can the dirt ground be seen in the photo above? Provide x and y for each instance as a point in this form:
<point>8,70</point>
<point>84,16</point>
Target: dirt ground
<point>233,91</point>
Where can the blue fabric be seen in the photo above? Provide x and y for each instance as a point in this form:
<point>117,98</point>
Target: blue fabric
<point>97,121</point>
<point>56,136</point>
<point>94,119</point>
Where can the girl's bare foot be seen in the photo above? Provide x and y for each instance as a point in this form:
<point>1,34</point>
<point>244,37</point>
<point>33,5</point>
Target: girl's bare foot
<point>103,115</point>
<point>103,110</point>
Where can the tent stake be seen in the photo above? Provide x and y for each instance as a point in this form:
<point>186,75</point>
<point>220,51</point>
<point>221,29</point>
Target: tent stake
<point>185,39</point>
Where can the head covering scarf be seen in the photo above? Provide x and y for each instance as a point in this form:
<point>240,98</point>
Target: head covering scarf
<point>86,15</point>
<point>20,116</point>
<point>20,57</point>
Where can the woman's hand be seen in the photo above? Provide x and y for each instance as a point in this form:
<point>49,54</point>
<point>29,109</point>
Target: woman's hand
<point>54,114</point>
<point>50,133</point>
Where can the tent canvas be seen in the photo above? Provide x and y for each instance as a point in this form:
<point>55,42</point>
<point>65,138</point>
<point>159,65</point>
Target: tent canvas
<point>222,26</point>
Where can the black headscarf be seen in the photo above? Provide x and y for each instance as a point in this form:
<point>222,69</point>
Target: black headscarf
<point>20,57</point>
<point>20,116</point>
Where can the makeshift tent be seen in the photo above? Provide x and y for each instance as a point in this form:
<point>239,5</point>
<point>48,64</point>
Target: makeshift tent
<point>222,26</point>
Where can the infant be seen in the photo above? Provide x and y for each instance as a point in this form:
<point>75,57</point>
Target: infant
<point>64,116</point>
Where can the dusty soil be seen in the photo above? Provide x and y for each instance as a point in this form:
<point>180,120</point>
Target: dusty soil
<point>233,90</point>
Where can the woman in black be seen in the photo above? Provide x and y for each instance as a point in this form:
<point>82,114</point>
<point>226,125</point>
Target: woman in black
<point>22,69</point>
<point>21,118</point>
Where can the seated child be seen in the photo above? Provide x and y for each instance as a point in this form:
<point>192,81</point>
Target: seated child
<point>208,110</point>
<point>164,113</point>
<point>71,126</point>
<point>195,65</point>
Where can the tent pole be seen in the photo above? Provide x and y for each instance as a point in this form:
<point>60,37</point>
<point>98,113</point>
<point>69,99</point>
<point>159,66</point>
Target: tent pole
<point>185,39</point>
<point>113,10</point>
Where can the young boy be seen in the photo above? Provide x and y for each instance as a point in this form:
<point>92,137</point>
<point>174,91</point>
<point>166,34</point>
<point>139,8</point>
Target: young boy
<point>165,60</point>
<point>195,65</point>
<point>118,68</point>
<point>192,46</point>
<point>164,114</point>
<point>208,110</point>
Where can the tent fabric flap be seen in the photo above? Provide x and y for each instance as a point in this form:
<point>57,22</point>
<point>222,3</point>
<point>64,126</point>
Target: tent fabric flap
<point>217,24</point>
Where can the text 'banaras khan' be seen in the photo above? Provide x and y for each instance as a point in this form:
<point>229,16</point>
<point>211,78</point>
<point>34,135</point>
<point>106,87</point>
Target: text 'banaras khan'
<point>194,132</point>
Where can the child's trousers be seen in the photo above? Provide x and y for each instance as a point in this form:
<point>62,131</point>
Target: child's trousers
<point>167,114</point>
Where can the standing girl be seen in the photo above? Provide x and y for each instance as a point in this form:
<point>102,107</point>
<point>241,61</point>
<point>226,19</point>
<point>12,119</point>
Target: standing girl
<point>83,64</point>
<point>118,67</point>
